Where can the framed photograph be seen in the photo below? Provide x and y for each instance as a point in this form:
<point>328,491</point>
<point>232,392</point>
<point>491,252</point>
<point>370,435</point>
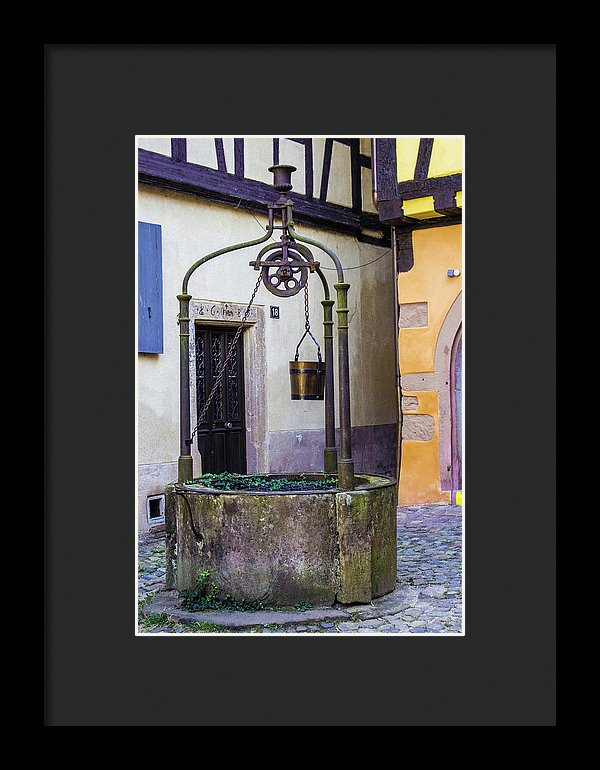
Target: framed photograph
<point>269,446</point>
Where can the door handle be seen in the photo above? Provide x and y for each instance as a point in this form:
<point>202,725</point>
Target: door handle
<point>229,425</point>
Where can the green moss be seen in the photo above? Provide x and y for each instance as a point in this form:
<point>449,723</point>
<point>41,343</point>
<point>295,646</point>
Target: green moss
<point>205,628</point>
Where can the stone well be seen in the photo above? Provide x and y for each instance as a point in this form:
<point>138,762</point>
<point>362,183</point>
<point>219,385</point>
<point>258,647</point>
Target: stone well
<point>318,546</point>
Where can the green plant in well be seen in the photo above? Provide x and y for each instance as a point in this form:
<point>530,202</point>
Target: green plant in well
<point>257,482</point>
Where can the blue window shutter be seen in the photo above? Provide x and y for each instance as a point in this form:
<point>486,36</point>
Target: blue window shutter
<point>150,294</point>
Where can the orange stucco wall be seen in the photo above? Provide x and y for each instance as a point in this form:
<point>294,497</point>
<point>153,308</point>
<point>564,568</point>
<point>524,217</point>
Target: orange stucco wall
<point>436,250</point>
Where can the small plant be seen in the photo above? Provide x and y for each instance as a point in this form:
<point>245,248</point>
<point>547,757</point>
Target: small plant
<point>154,619</point>
<point>206,597</point>
<point>302,606</point>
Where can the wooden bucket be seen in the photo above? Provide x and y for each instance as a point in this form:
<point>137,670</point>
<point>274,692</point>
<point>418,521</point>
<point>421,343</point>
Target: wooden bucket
<point>307,380</point>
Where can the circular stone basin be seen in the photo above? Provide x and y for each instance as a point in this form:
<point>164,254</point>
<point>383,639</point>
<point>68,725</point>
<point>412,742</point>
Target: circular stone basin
<point>316,546</point>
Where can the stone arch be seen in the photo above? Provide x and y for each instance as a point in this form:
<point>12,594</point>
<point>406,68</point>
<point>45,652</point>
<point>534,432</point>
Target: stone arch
<point>456,406</point>
<point>443,385</point>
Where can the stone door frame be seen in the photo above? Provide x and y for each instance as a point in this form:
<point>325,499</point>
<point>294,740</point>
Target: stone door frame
<point>215,313</point>
<point>443,385</point>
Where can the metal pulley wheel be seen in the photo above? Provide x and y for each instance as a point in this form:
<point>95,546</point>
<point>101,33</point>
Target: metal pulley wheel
<point>284,278</point>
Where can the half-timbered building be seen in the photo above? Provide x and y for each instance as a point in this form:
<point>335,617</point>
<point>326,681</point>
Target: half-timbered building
<point>419,194</point>
<point>397,230</point>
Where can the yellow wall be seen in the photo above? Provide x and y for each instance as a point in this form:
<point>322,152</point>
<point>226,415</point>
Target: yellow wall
<point>446,156</point>
<point>420,474</point>
<point>436,250</point>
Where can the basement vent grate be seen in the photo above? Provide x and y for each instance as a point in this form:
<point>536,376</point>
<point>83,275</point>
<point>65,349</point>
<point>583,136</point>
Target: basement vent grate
<point>155,509</point>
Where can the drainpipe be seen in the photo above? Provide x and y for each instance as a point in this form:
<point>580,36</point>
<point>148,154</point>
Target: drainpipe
<point>397,355</point>
<point>374,172</point>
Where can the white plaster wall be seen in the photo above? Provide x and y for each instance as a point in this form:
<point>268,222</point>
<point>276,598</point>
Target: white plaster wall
<point>160,144</point>
<point>202,150</point>
<point>193,227</point>
<point>340,182</point>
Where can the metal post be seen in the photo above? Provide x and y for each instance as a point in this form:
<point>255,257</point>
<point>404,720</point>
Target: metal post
<point>330,452</point>
<point>345,463</point>
<point>185,466</point>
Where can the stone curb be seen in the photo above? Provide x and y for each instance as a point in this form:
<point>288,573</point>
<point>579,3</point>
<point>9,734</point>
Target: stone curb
<point>167,602</point>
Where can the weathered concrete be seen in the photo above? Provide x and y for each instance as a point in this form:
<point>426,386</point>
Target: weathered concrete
<point>281,548</point>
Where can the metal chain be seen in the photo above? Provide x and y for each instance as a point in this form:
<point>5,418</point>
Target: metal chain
<point>307,324</point>
<point>217,382</point>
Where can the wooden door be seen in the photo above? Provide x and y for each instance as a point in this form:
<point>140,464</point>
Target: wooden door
<point>222,434</point>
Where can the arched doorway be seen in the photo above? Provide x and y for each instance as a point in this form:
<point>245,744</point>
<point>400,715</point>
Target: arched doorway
<point>446,350</point>
<point>456,413</point>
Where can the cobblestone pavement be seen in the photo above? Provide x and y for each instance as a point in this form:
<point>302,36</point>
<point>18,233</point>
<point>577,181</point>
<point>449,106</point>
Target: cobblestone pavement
<point>429,568</point>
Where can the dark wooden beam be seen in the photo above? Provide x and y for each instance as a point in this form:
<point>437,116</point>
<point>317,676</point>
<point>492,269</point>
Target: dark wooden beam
<point>392,213</point>
<point>386,169</point>
<point>179,149</point>
<point>444,202</point>
<point>423,158</point>
<point>308,168</point>
<point>238,154</point>
<point>161,171</point>
<point>424,224</point>
<point>406,257</point>
<point>326,169</point>
<point>355,174</point>
<point>220,150</point>
<point>418,188</point>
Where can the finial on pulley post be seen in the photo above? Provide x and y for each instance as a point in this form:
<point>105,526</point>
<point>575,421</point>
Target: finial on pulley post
<point>282,181</point>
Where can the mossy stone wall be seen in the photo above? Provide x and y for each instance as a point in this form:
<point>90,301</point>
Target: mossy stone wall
<point>284,548</point>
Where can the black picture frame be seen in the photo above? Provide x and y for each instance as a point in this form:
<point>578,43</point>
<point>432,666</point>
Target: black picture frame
<point>97,97</point>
